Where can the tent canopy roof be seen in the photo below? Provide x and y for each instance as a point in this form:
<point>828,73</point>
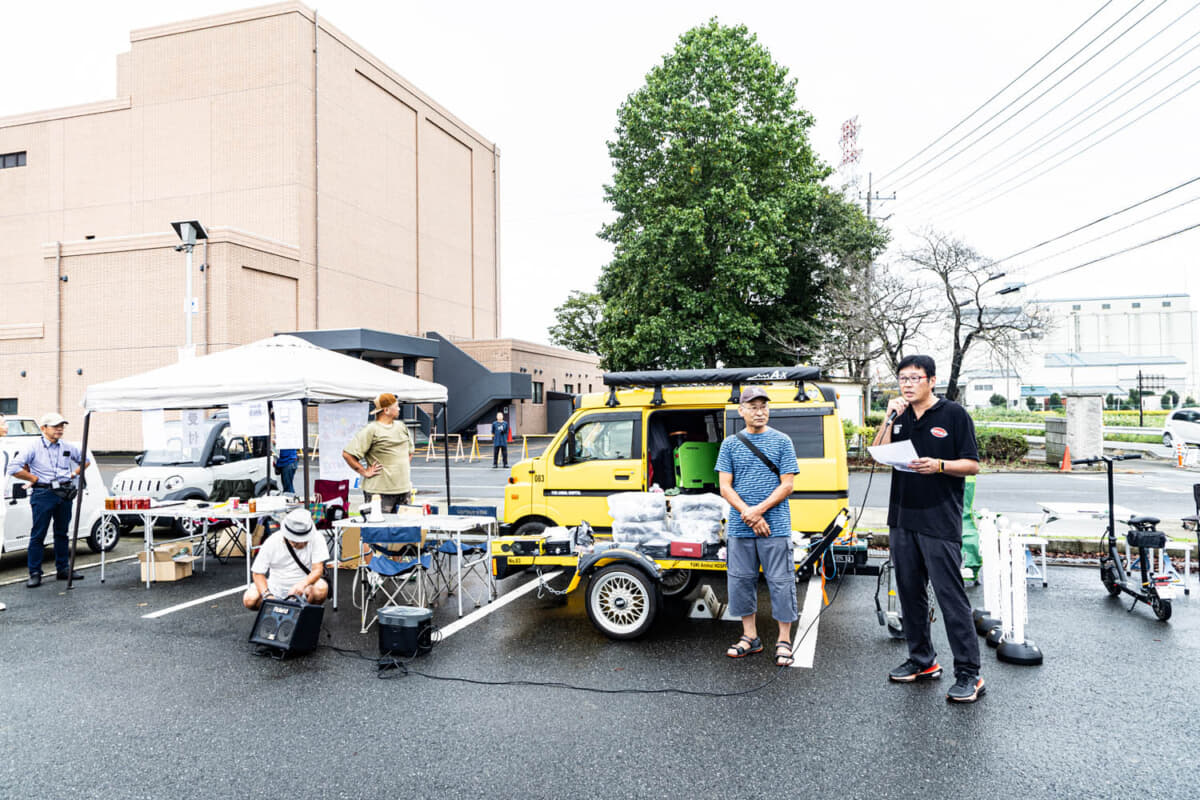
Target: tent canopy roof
<point>278,368</point>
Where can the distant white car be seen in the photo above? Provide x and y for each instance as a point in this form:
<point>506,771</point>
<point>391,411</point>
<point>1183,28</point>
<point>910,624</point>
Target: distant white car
<point>16,517</point>
<point>1182,425</point>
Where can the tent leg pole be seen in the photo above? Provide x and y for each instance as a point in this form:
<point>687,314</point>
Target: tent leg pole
<point>446,450</point>
<point>304,445</point>
<point>83,451</point>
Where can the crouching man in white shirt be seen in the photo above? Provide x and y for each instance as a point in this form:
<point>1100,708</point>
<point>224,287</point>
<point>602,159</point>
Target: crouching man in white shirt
<point>290,563</point>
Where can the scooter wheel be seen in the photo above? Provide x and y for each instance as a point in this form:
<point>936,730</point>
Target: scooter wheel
<point>1161,608</point>
<point>1108,576</point>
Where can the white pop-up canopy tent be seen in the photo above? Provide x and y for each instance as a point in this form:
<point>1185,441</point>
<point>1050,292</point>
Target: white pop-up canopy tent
<point>278,368</point>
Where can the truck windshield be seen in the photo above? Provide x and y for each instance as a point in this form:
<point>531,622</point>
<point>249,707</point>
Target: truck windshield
<point>176,449</point>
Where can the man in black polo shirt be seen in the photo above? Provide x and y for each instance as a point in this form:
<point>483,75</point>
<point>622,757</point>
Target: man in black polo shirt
<point>925,526</point>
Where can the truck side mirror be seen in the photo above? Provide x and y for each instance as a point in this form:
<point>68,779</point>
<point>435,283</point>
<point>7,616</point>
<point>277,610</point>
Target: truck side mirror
<point>138,458</point>
<point>215,460</point>
<point>562,456</point>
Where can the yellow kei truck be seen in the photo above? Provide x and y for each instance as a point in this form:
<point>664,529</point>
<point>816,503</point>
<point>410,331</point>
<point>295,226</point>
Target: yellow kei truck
<point>661,429</point>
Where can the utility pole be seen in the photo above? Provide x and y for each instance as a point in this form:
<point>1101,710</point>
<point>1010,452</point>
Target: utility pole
<point>875,196</point>
<point>1146,382</point>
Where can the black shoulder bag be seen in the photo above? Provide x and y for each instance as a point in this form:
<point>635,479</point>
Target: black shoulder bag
<point>741,435</point>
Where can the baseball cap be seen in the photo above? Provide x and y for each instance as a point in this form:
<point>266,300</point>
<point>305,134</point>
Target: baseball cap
<point>753,393</point>
<point>383,401</point>
<point>298,525</point>
<point>52,420</point>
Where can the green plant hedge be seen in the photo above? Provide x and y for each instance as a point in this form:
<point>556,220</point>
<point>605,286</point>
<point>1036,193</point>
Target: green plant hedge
<point>1003,446</point>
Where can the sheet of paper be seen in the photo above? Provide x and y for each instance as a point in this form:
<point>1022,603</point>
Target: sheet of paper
<point>336,425</point>
<point>897,455</point>
<point>193,431</point>
<point>289,424</point>
<point>249,419</point>
<point>154,429</point>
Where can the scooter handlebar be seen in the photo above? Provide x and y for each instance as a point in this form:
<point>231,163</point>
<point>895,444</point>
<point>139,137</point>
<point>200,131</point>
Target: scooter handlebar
<point>1078,462</point>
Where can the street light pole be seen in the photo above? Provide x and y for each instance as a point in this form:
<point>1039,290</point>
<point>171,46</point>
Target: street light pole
<point>188,231</point>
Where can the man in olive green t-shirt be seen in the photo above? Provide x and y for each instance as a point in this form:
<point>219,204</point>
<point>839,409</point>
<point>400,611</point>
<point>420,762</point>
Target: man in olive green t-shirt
<point>386,448</point>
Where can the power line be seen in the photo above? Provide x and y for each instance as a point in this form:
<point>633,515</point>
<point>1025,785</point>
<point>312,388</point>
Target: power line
<point>1049,89</point>
<point>1113,232</point>
<point>1019,97</point>
<point>1028,69</point>
<point>1060,273</point>
<point>1066,126</point>
<point>1066,160</point>
<point>1098,220</point>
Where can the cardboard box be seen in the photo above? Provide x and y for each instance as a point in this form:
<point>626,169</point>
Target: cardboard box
<point>166,567</point>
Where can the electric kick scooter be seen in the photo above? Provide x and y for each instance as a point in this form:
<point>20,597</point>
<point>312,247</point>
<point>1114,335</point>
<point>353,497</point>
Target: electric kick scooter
<point>1154,590</point>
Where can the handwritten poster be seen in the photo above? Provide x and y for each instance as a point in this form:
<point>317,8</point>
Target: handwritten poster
<point>249,419</point>
<point>289,424</point>
<point>336,425</point>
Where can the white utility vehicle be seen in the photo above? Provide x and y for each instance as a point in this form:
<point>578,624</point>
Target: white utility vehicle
<point>16,518</point>
<point>187,471</point>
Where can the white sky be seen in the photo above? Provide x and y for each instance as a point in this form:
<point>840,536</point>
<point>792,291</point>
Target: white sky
<point>544,80</point>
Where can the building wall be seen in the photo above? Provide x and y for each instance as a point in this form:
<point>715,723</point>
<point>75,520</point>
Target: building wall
<point>556,368</point>
<point>1135,325</point>
<point>220,120</point>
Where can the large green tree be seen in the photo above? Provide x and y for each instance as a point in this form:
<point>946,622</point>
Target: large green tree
<point>727,243</point>
<point>578,317</point>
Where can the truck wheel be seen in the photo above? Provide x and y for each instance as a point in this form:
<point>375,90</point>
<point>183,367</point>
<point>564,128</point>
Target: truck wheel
<point>679,582</point>
<point>622,602</point>
<point>104,535</point>
<point>531,528</point>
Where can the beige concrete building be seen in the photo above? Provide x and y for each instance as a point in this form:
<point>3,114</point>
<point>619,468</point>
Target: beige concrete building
<point>335,195</point>
<point>552,370</point>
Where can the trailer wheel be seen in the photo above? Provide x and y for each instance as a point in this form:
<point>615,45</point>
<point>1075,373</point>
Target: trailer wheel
<point>622,602</point>
<point>678,582</point>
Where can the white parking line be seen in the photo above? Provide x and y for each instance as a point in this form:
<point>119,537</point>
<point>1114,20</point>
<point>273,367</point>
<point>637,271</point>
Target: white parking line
<point>505,599</point>
<point>190,603</point>
<point>805,652</point>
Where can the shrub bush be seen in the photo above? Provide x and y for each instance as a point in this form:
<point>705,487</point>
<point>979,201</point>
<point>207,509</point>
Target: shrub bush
<point>1003,446</point>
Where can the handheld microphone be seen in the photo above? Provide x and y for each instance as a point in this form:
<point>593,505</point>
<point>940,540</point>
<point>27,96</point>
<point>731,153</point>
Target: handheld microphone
<point>891,417</point>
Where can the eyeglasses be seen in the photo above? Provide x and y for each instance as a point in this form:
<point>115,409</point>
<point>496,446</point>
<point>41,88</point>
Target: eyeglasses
<point>911,378</point>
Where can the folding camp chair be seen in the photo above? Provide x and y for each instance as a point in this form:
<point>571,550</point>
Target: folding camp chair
<point>221,542</point>
<point>474,559</point>
<point>395,574</point>
<point>334,497</point>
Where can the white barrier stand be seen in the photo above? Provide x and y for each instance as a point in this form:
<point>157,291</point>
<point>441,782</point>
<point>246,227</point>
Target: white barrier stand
<point>1013,647</point>
<point>1004,577</point>
<point>987,618</point>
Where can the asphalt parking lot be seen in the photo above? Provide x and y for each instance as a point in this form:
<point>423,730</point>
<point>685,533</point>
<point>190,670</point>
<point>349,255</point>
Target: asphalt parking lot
<point>99,701</point>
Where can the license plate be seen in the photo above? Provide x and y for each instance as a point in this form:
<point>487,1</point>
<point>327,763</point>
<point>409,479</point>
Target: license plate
<point>1165,591</point>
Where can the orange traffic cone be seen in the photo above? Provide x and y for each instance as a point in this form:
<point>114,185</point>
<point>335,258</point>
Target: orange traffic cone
<point>1180,449</point>
<point>1065,466</point>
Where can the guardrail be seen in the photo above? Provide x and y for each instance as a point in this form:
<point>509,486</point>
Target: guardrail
<point>1041,426</point>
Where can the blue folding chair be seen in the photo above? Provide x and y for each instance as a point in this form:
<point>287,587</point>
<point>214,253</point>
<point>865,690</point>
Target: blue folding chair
<point>395,574</point>
<point>474,559</point>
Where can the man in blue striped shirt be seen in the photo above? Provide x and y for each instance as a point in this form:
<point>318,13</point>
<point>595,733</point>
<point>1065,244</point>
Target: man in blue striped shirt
<point>755,474</point>
<point>51,467</point>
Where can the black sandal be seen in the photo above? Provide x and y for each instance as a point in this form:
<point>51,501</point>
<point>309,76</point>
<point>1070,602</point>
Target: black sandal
<point>736,650</point>
<point>784,659</point>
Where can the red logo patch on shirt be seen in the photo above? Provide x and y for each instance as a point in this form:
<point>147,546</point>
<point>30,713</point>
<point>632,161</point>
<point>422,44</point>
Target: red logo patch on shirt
<point>939,432</point>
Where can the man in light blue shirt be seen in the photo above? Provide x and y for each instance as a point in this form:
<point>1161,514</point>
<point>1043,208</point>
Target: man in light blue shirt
<point>50,466</point>
<point>755,471</point>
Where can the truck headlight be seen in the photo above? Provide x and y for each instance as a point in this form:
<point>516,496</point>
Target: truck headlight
<point>172,483</point>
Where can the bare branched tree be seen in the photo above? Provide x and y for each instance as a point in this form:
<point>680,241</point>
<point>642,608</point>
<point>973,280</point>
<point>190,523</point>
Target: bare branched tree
<point>874,315</point>
<point>975,314</point>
